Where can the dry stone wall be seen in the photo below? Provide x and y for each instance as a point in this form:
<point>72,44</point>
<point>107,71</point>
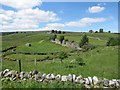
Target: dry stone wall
<point>88,82</point>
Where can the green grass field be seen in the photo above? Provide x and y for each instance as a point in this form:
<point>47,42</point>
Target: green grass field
<point>102,64</point>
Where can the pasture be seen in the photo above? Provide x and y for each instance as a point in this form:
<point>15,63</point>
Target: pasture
<point>101,61</point>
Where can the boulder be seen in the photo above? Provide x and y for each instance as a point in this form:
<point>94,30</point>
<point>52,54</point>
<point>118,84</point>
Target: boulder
<point>5,71</point>
<point>11,73</point>
<point>90,80</point>
<point>34,72</point>
<point>52,76</point>
<point>21,75</point>
<point>95,80</point>
<point>106,83</point>
<point>69,77</point>
<point>116,83</point>
<point>64,78</point>
<point>86,81</point>
<point>78,79</point>
<point>48,76</point>
<point>73,77</point>
<point>82,81</point>
<point>43,76</point>
<point>37,76</point>
<point>58,77</point>
<point>111,83</point>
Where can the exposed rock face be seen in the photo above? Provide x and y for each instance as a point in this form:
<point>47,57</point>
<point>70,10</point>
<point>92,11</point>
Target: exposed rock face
<point>89,82</point>
<point>71,44</point>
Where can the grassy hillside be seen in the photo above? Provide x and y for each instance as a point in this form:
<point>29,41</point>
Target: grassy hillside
<point>101,61</point>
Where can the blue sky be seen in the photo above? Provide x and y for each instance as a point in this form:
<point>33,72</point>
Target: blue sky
<point>68,16</point>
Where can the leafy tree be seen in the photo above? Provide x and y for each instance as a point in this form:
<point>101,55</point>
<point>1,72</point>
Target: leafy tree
<point>91,31</point>
<point>101,30</point>
<point>84,40</point>
<point>59,32</point>
<point>96,31</point>
<point>109,31</point>
<point>52,31</point>
<point>63,32</point>
<point>62,56</point>
<point>61,38</point>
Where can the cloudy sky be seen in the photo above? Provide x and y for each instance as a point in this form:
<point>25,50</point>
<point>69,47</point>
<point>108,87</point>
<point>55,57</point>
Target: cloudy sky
<point>35,15</point>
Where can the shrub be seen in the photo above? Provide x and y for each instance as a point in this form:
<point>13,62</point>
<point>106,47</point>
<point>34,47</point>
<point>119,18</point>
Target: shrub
<point>61,38</point>
<point>80,61</point>
<point>62,56</point>
<point>53,37</point>
<point>113,42</point>
<point>91,31</point>
<point>84,40</point>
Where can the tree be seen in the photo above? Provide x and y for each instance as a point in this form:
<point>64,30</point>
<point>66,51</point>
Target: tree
<point>52,31</point>
<point>61,38</point>
<point>63,32</point>
<point>62,56</point>
<point>91,31</point>
<point>100,30</point>
<point>96,31</point>
<point>59,32</point>
<point>109,31</point>
<point>84,40</point>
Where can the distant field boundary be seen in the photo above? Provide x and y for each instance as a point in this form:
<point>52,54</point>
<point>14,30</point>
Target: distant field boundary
<point>5,50</point>
<point>34,53</point>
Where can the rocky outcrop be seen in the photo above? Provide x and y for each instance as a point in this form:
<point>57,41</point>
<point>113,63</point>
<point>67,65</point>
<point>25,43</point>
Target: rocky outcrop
<point>88,82</point>
<point>70,44</point>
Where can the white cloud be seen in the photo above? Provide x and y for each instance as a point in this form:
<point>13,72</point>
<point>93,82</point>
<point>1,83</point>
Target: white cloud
<point>21,4</point>
<point>96,9</point>
<point>99,4</point>
<point>25,19</point>
<point>51,26</point>
<point>84,22</point>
